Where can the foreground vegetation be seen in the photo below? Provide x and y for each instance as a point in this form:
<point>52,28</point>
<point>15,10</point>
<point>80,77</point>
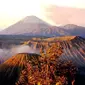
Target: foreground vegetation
<point>48,70</point>
<point>43,69</point>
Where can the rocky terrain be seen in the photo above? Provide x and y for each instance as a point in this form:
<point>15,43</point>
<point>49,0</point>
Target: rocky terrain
<point>10,70</point>
<point>73,47</point>
<point>17,69</point>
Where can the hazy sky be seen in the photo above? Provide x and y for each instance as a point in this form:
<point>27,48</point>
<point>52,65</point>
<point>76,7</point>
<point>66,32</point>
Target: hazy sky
<point>12,11</point>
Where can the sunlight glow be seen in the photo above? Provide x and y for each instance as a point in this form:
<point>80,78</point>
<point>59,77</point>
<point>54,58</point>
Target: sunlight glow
<point>12,11</point>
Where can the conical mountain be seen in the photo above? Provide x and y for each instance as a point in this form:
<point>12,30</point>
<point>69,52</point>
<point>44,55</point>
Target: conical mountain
<point>33,26</point>
<point>11,69</point>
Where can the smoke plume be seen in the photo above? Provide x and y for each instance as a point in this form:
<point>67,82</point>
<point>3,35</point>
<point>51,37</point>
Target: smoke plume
<point>7,53</point>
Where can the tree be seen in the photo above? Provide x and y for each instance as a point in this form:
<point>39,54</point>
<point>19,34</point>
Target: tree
<point>63,72</point>
<point>50,59</point>
<point>54,51</point>
<point>47,70</point>
<point>66,70</point>
<point>23,78</point>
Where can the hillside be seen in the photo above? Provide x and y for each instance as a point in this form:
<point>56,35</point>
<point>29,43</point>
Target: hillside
<point>74,30</point>
<point>29,69</point>
<point>73,47</point>
<point>11,69</point>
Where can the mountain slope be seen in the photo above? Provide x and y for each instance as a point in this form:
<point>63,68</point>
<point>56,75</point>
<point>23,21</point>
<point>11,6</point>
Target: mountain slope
<point>11,69</point>
<point>74,47</point>
<point>17,68</point>
<point>74,30</point>
<point>31,25</point>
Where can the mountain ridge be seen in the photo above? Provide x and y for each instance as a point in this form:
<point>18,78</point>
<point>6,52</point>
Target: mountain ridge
<point>33,26</point>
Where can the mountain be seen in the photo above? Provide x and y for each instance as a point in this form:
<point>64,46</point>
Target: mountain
<point>11,69</point>
<point>33,26</point>
<point>24,68</point>
<point>73,47</point>
<point>74,30</point>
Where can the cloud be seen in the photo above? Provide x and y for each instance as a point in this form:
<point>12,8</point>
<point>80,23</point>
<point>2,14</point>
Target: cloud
<point>7,53</point>
<point>65,15</point>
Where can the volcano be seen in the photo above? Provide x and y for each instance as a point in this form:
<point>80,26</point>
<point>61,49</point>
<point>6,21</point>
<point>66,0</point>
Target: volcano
<point>73,47</point>
<point>33,26</point>
<point>17,68</point>
<point>11,69</point>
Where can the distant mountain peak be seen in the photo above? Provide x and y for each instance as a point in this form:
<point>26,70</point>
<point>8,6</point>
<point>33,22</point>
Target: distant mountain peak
<point>70,25</point>
<point>33,19</point>
<point>33,26</point>
<point>67,26</point>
